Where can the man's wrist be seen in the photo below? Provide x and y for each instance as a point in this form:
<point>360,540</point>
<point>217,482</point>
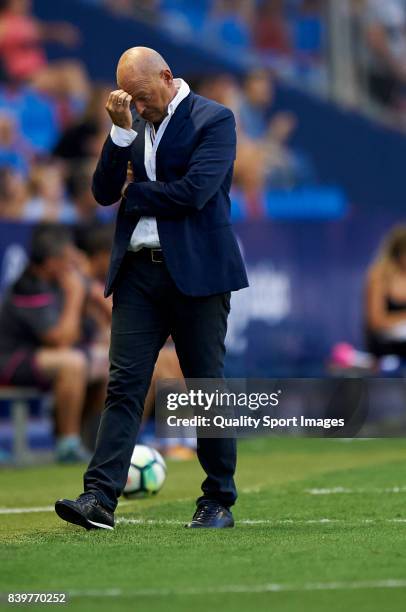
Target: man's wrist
<point>122,137</point>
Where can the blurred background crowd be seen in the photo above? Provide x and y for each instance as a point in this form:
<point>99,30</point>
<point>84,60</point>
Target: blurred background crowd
<point>52,117</point>
<point>302,40</point>
<point>318,91</point>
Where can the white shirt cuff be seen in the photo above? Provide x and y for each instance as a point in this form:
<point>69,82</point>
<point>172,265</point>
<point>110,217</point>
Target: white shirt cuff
<point>122,137</point>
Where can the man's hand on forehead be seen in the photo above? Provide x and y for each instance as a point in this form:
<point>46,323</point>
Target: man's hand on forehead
<point>118,107</point>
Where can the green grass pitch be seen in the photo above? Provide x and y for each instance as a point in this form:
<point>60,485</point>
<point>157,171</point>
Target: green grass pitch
<point>320,526</point>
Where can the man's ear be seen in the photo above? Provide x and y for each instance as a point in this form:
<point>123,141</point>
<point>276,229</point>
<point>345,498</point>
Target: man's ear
<point>167,76</point>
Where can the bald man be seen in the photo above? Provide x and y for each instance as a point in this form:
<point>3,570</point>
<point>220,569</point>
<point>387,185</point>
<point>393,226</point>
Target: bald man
<point>174,263</point>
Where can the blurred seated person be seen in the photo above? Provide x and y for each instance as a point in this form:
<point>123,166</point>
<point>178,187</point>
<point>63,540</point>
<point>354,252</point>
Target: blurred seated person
<point>230,23</point>
<point>35,119</point>
<point>11,146</point>
<point>308,31</point>
<point>48,201</point>
<point>223,88</point>
<point>385,307</point>
<point>266,135</point>
<point>255,107</point>
<point>140,9</point>
<point>385,41</point>
<point>271,29</point>
<point>92,259</point>
<point>79,187</point>
<point>23,58</point>
<point>95,243</point>
<point>13,195</point>
<point>41,342</point>
<point>85,137</point>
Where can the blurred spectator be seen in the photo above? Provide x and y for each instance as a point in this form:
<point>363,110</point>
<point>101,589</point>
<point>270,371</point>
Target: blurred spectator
<point>265,158</point>
<point>308,32</point>
<point>21,49</point>
<point>85,137</point>
<point>96,242</point>
<point>79,146</point>
<point>13,194</point>
<point>92,259</point>
<point>21,46</point>
<point>40,331</point>
<point>287,167</point>
<point>271,30</point>
<point>80,192</point>
<point>35,119</point>
<point>385,307</point>
<point>184,16</point>
<point>23,59</point>
<point>141,9</point>
<point>254,110</point>
<point>231,23</point>
<point>385,33</point>
<point>48,201</point>
<point>10,154</point>
<point>222,88</point>
<point>85,207</point>
<point>250,165</point>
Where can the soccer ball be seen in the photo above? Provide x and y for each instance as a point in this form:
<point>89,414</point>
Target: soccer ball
<point>147,472</point>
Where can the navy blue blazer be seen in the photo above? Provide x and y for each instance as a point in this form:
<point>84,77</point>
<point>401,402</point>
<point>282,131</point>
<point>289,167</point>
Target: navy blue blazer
<point>190,198</point>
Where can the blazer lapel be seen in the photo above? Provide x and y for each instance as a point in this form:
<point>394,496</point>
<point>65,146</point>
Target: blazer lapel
<point>138,150</point>
<point>175,125</point>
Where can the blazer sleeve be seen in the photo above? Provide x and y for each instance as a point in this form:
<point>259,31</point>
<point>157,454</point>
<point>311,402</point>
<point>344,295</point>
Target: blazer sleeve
<point>111,173</point>
<point>208,166</point>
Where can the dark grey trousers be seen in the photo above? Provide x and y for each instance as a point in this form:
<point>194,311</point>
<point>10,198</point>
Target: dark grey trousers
<point>147,308</point>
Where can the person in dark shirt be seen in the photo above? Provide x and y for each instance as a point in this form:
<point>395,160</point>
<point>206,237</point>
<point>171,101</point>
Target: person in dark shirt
<point>385,297</point>
<point>40,333</point>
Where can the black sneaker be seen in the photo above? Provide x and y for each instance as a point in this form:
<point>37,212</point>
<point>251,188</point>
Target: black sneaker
<point>211,514</point>
<point>85,511</point>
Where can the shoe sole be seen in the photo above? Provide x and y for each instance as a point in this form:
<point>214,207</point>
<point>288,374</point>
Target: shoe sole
<point>196,526</point>
<point>69,514</point>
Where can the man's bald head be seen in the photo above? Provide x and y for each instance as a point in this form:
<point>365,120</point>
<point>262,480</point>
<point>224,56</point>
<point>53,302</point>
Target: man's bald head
<point>144,74</point>
<point>137,62</point>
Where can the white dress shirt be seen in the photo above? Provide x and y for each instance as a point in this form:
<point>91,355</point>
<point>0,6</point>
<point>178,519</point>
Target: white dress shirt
<point>145,233</point>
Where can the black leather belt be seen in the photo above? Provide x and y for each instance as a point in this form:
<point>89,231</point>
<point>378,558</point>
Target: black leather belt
<point>154,255</point>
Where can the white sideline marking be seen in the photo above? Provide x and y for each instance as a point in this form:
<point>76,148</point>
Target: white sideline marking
<point>143,521</point>
<point>140,521</point>
<point>315,491</point>
<point>43,509</point>
<point>26,510</point>
<point>245,588</point>
<point>250,490</point>
<point>322,521</point>
<point>345,490</point>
